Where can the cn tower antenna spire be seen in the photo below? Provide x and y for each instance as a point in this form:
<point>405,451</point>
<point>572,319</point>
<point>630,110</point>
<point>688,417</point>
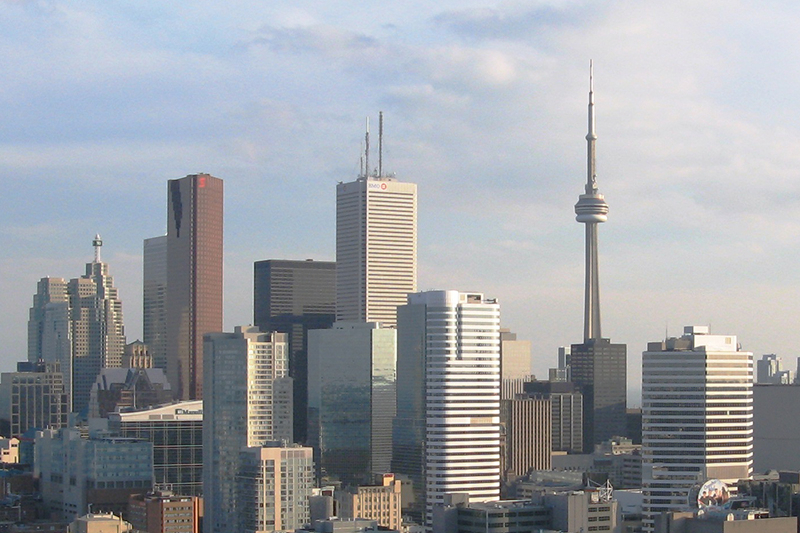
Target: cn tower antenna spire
<point>591,210</point>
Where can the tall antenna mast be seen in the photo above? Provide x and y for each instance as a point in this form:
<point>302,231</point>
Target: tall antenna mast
<point>366,151</point>
<point>380,144</point>
<point>97,243</point>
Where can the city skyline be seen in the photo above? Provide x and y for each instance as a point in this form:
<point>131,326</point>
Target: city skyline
<point>484,109</point>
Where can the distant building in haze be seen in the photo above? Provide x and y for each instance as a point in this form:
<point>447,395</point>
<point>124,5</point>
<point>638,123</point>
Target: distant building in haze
<point>194,277</point>
<point>154,305</point>
<point>596,365</point>
<point>376,245</point>
<point>33,397</point>
<point>352,399</point>
<point>697,417</point>
<point>769,369</point>
<point>294,297</point>
<point>247,403</point>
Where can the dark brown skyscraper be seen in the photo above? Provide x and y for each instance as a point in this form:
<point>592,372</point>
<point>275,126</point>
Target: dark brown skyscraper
<point>194,277</point>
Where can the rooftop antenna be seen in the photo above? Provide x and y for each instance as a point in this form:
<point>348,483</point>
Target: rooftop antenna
<point>366,151</point>
<point>97,243</point>
<point>380,144</point>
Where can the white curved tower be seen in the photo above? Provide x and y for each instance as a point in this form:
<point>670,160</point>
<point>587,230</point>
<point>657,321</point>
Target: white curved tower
<point>591,210</point>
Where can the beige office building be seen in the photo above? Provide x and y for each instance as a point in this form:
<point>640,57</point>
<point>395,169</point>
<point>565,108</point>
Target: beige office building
<point>376,248</point>
<point>528,435</point>
<point>382,503</point>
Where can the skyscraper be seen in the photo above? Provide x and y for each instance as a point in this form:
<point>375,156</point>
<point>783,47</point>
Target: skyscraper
<point>194,277</point>
<point>83,332</point>
<point>597,365</point>
<point>697,417</point>
<point>294,297</point>
<point>154,308</point>
<point>352,399</point>
<point>247,402</point>
<point>376,246</point>
<point>449,387</point>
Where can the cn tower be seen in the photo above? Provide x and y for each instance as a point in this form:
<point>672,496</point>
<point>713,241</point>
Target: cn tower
<point>591,210</point>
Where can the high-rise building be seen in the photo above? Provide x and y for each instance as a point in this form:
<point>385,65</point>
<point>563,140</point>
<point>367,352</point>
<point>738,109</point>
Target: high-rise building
<point>515,364</point>
<point>194,277</point>
<point>33,397</point>
<point>154,308</point>
<point>274,483</point>
<point>352,399</point>
<point>769,369</point>
<point>567,413</point>
<point>84,333</point>
<point>528,435</point>
<point>697,417</point>
<point>247,403</point>
<point>294,297</point>
<point>376,247</point>
<point>449,387</point>
<point>597,365</point>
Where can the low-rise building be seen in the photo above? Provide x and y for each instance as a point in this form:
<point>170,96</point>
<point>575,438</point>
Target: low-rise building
<point>382,503</point>
<point>161,511</point>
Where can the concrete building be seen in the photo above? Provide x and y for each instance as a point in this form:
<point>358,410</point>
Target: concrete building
<point>154,303</point>
<point>176,431</point>
<point>84,333</point>
<point>294,297</point>
<point>352,399</point>
<point>597,366</point>
<point>9,450</point>
<point>528,435</point>
<point>101,471</point>
<point>273,486</point>
<point>687,522</point>
<point>162,511</point>
<point>137,355</point>
<point>247,403</point>
<point>776,437</point>
<point>690,437</point>
<point>376,247</point>
<point>567,413</point>
<point>33,397</point>
<point>583,510</point>
<point>515,364</point>
<point>382,503</point>
<point>100,523</point>
<point>449,395</point>
<point>458,515</point>
<point>194,277</point>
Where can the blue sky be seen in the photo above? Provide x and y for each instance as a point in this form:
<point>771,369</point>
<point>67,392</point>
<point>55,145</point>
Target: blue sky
<point>485,107</point>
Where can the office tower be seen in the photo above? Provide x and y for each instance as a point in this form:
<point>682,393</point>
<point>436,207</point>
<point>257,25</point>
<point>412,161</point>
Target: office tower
<point>49,291</point>
<point>194,277</point>
<point>376,245</point>
<point>528,434</point>
<point>697,417</point>
<point>33,397</point>
<point>163,511</point>
<point>247,402</point>
<point>154,308</point>
<point>448,383</point>
<point>567,413</point>
<point>275,483</point>
<point>382,502</point>
<point>597,365</point>
<point>100,470</point>
<point>78,324</point>
<point>176,431</point>
<point>769,369</point>
<point>294,297</point>
<point>562,372</point>
<point>352,399</point>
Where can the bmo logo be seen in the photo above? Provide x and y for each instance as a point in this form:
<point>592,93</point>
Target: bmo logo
<point>376,186</point>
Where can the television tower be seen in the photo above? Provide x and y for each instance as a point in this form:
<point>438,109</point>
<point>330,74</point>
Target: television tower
<point>591,210</point>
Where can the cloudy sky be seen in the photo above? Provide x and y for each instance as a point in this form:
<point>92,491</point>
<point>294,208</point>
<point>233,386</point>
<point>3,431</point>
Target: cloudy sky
<point>485,107</point>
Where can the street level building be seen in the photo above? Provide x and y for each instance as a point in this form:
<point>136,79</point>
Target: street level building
<point>697,417</point>
<point>194,277</point>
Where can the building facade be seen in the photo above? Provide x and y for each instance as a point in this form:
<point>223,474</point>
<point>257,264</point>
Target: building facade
<point>34,397</point>
<point>194,277</point>
<point>154,304</point>
<point>275,482</point>
<point>376,248</point>
<point>697,417</point>
<point>528,435</point>
<point>247,403</point>
<point>382,503</point>
<point>352,399</point>
<point>294,297</point>
<point>176,431</point>
<point>162,511</point>
<point>449,344</point>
